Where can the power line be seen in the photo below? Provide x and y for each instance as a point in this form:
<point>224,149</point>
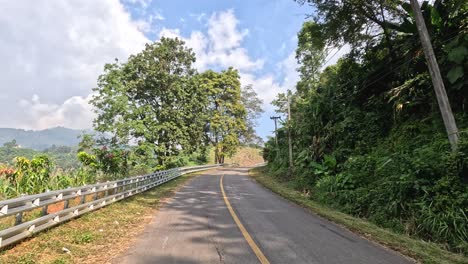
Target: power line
<point>394,67</point>
<point>401,65</point>
<point>333,55</point>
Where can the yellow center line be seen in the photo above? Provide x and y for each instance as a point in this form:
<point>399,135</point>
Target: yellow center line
<point>244,232</point>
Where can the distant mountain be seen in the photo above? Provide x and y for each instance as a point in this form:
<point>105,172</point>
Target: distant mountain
<point>41,139</point>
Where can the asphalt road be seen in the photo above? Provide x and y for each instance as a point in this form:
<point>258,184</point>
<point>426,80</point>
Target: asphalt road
<point>196,226</point>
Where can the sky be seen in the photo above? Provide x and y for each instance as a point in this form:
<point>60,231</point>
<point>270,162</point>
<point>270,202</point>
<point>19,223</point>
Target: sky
<point>52,51</point>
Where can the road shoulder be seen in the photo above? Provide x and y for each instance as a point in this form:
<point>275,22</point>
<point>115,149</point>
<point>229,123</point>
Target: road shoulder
<point>412,248</point>
<point>98,236</point>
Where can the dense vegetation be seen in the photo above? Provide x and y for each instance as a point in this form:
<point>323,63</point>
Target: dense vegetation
<point>158,100</point>
<point>154,112</point>
<point>63,156</point>
<point>368,137</point>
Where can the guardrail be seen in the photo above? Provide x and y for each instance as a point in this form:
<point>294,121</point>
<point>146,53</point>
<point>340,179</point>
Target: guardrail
<point>77,201</point>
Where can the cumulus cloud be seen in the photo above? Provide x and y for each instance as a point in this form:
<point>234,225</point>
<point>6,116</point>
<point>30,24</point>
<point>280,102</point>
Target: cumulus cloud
<point>223,32</point>
<point>268,87</point>
<point>220,46</point>
<point>51,60</point>
<point>144,4</point>
<point>288,68</point>
<point>75,112</point>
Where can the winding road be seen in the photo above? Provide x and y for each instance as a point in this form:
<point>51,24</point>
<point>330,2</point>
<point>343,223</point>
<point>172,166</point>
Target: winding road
<point>224,216</point>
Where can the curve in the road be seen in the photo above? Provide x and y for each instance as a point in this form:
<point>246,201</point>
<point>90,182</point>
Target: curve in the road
<point>196,226</point>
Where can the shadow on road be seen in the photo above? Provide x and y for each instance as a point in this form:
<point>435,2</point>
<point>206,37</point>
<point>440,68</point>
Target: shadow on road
<point>193,227</point>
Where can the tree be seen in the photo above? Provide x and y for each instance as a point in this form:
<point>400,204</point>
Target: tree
<point>355,22</point>
<point>310,54</point>
<point>10,144</point>
<point>253,106</point>
<point>152,100</point>
<point>226,113</point>
<point>87,143</point>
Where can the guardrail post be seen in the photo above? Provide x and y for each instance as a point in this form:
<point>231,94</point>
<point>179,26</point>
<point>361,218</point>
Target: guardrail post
<point>19,218</point>
<point>106,193</point>
<point>44,210</point>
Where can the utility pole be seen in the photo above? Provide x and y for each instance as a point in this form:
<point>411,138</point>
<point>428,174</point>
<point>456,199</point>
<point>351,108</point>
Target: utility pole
<point>289,133</point>
<point>274,118</point>
<point>441,94</point>
<point>288,104</point>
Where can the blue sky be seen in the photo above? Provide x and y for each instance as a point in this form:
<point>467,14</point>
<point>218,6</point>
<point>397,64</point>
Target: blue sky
<point>272,29</point>
<point>51,61</point>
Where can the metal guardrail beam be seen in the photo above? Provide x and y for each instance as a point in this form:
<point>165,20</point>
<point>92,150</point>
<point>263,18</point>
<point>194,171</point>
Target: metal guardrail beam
<point>91,197</point>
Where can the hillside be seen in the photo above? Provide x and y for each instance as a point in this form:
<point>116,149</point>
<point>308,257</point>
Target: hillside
<point>41,139</point>
<point>245,157</point>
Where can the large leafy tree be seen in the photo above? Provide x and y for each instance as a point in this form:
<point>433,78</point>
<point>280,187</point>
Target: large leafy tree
<point>225,110</point>
<point>253,106</point>
<point>310,54</point>
<point>355,21</point>
<point>152,100</point>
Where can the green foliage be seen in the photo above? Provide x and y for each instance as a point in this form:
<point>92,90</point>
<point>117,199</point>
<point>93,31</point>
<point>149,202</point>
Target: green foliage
<point>226,113</point>
<point>83,238</point>
<point>153,100</point>
<point>253,105</point>
<point>157,100</point>
<point>108,159</point>
<point>86,143</point>
<point>39,174</point>
<point>63,156</point>
<point>87,159</point>
<point>368,138</point>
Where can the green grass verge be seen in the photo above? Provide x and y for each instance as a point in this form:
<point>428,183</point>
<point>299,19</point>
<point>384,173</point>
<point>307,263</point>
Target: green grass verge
<point>419,250</point>
<point>95,237</point>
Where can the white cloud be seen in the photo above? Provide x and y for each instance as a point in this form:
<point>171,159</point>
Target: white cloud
<point>50,62</point>
<point>265,86</point>
<point>149,23</point>
<point>223,32</point>
<point>75,112</point>
<point>221,46</point>
<point>199,17</point>
<point>169,33</point>
<point>141,3</point>
<point>56,55</point>
<point>156,16</point>
<point>288,68</point>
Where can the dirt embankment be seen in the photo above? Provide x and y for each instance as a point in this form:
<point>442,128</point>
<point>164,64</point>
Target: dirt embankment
<point>246,157</point>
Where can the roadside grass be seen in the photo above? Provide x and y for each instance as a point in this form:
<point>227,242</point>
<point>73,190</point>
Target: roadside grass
<point>96,237</point>
<point>421,251</point>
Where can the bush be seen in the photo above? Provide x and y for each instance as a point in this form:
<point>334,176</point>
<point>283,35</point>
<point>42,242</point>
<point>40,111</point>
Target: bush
<point>422,193</point>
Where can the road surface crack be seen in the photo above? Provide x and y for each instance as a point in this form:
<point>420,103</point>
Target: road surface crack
<point>220,253</point>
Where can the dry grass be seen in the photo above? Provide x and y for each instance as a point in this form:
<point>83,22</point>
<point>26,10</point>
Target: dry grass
<point>96,237</point>
<point>244,157</point>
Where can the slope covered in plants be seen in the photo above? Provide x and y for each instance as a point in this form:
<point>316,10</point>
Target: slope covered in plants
<point>367,133</point>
